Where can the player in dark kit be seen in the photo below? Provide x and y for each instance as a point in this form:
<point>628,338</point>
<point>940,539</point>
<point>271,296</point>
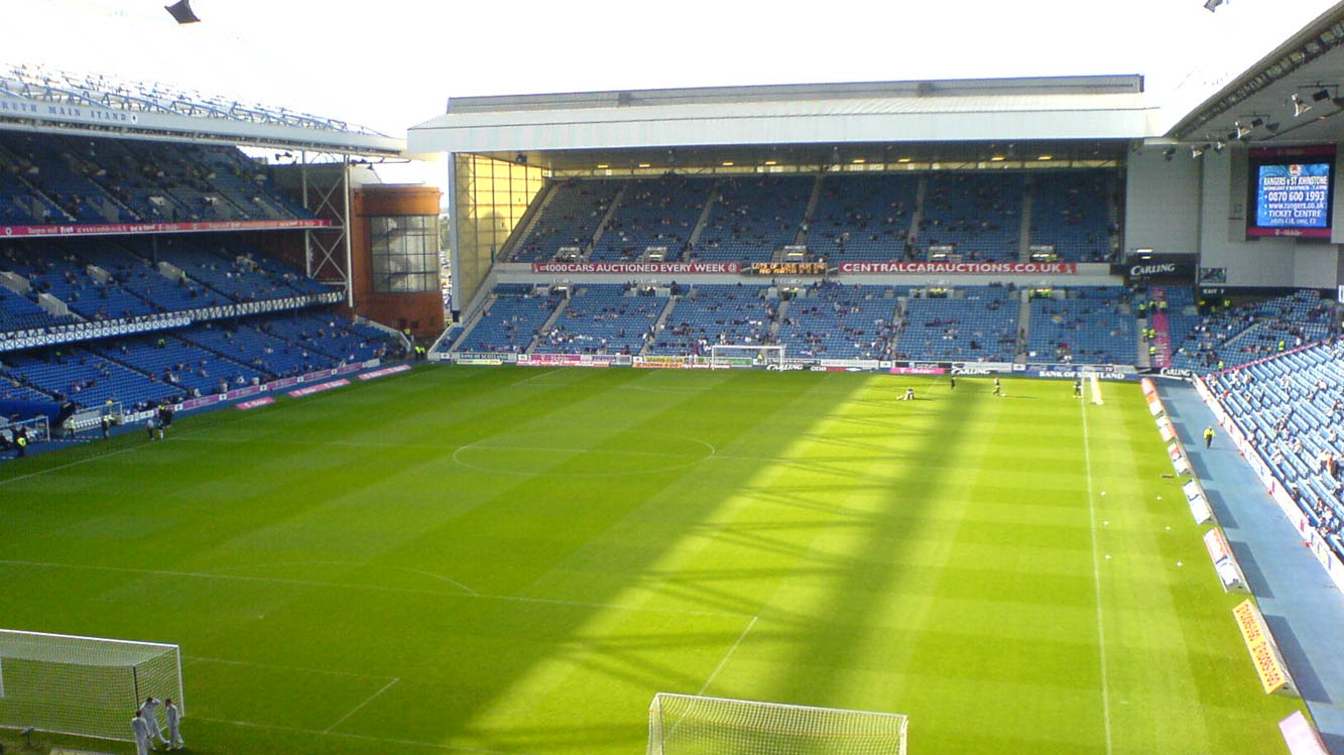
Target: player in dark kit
<point>1077,387</point>
<point>952,382</point>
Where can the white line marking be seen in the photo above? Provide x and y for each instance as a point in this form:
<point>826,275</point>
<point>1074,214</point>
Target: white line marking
<point>362,737</point>
<point>729,654</point>
<point>252,664</point>
<point>1096,577</point>
<point>360,707</point>
<point>439,577</point>
<point>69,464</point>
<point>373,588</point>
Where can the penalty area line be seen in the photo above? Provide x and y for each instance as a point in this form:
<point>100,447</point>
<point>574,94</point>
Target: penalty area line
<point>360,707</point>
<point>724,661</point>
<point>346,735</point>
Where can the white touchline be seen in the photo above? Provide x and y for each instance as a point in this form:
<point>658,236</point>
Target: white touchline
<point>729,654</point>
<point>1096,578</point>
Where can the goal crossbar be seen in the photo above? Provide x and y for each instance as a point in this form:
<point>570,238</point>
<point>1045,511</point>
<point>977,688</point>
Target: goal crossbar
<point>702,725</point>
<point>83,686</point>
<point>746,355</point>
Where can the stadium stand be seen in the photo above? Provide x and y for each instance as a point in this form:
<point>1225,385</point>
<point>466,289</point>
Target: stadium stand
<point>752,217</point>
<point>864,216</point>
<point>570,217</point>
<point>510,320</point>
<point>974,323</point>
<point>1246,332</point>
<point>125,181</point>
<point>603,319</point>
<point>1290,409</point>
<point>716,314</point>
<point>657,212</point>
<point>979,213</point>
<point>1072,210</point>
<point>833,321</point>
<point>1083,326</point>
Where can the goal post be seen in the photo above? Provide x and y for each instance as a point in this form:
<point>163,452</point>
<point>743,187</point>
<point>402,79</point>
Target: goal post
<point>699,725</point>
<point>741,355</point>
<point>83,686</point>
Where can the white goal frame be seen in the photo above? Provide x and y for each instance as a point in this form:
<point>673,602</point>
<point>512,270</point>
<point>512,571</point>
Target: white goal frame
<point>25,647</point>
<point>762,355</point>
<point>886,734</point>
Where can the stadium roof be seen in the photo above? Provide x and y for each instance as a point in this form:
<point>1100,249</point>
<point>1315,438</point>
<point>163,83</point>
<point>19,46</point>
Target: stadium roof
<point>965,110</point>
<point>1307,64</point>
<point>34,98</point>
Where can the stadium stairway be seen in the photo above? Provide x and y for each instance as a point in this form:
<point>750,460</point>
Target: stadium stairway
<point>549,324</point>
<point>660,322</point>
<point>1024,235</point>
<point>1023,331</point>
<point>527,223</point>
<point>605,222</point>
<point>703,220</point>
<point>1302,606</point>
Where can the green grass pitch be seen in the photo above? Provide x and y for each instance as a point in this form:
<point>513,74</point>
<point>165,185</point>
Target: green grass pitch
<point>513,560</point>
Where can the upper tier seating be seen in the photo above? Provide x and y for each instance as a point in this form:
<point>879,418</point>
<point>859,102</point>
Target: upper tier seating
<point>716,314</point>
<point>831,321</point>
<point>65,277</point>
<point>980,325</point>
<point>570,218</point>
<point>753,217</point>
<point>980,213</point>
<point>864,216</point>
<point>89,181</point>
<point>1071,209</point>
<point>141,277</point>
<point>1089,326</point>
<point>216,267</point>
<point>1253,331</point>
<point>654,212</point>
<point>511,320</point>
<point>603,319</point>
<point>19,313</point>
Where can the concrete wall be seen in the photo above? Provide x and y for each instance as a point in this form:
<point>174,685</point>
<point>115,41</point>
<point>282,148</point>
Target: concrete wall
<point>1162,203</point>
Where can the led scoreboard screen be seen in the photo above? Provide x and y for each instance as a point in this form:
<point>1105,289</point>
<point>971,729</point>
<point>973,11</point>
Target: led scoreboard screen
<point>1291,192</point>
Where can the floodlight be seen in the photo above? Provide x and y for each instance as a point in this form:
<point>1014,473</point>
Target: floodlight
<point>1300,106</point>
<point>1320,94</point>
<point>182,13</point>
<point>1212,5</point>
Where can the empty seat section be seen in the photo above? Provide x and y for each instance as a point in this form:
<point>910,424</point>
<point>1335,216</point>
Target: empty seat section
<point>654,212</point>
<point>753,217</point>
<point>978,213</point>
<point>863,217</point>
<point>570,218</point>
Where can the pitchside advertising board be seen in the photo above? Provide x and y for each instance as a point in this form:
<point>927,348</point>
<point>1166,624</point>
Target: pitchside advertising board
<point>1290,192</point>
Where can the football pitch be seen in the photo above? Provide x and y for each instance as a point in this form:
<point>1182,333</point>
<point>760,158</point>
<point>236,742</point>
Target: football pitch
<point>511,560</point>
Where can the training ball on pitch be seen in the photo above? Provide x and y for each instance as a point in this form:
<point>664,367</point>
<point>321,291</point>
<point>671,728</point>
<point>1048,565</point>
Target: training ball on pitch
<point>1108,557</point>
<point>1180,563</point>
<point>1103,494</point>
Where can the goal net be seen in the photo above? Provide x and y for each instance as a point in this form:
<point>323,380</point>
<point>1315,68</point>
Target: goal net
<point>729,355</point>
<point>84,686</point>
<point>697,725</point>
